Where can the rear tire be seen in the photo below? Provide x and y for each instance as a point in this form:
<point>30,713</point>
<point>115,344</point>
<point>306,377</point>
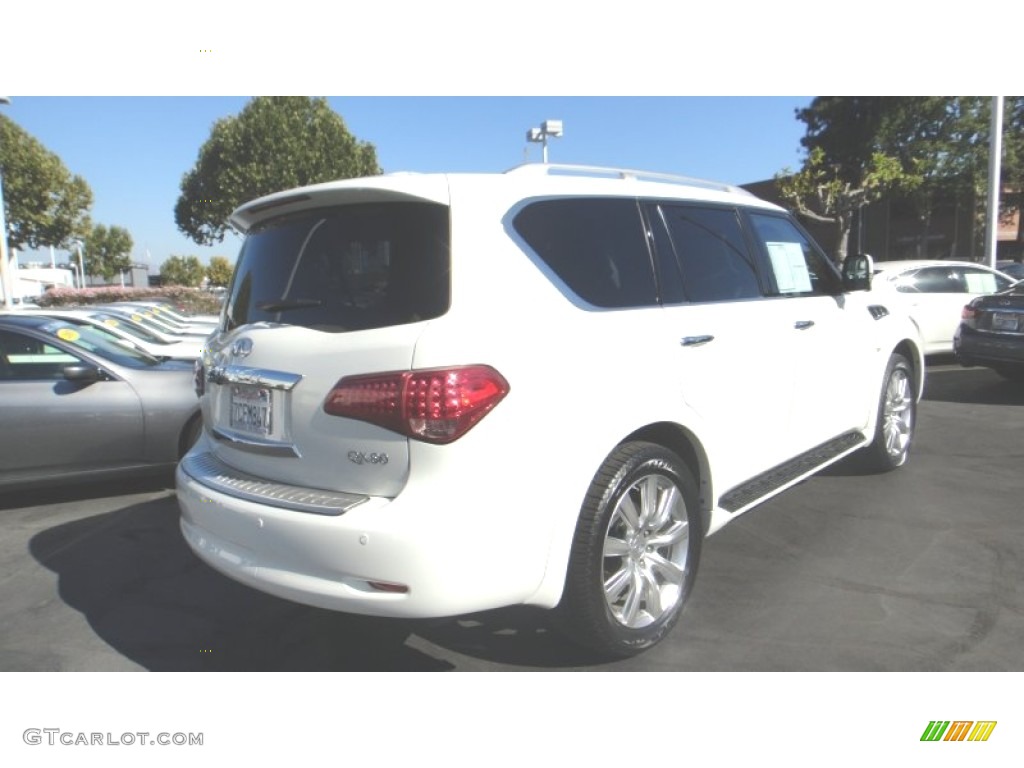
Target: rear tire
<point>635,552</point>
<point>897,418</point>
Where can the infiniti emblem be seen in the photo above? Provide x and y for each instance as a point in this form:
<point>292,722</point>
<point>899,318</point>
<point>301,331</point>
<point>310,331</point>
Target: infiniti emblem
<point>242,347</point>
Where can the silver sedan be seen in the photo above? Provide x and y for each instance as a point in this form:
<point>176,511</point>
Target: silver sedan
<point>75,405</point>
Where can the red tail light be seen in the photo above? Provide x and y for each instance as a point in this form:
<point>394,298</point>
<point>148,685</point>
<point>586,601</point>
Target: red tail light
<point>436,406</point>
<point>969,316</point>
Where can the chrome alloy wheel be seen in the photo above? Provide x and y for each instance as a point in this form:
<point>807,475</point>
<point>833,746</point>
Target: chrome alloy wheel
<point>898,414</point>
<point>645,552</point>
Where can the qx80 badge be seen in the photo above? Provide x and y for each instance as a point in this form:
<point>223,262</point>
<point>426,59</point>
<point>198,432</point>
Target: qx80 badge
<point>358,457</point>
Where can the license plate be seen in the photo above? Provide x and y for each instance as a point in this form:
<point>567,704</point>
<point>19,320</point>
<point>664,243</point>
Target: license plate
<point>251,410</point>
<point>1003,321</point>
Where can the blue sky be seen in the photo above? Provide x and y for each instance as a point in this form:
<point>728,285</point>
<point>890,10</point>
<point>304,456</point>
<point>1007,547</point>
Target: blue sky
<point>133,151</point>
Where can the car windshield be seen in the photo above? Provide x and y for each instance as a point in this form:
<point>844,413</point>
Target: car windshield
<point>344,269</point>
<point>123,324</point>
<point>100,343</point>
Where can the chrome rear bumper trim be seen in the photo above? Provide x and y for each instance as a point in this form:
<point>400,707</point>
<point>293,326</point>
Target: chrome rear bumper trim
<point>207,470</point>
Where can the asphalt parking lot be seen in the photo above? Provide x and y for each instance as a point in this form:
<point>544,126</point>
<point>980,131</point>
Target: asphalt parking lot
<point>917,570</point>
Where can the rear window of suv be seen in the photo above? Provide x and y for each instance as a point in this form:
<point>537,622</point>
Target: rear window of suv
<point>596,246</point>
<point>345,268</point>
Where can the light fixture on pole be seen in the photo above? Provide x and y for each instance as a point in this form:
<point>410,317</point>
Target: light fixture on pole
<point>552,128</point>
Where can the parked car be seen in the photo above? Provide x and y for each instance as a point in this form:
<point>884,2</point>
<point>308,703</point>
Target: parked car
<point>149,320</point>
<point>135,334</point>
<point>76,405</point>
<point>935,292</point>
<point>173,317</point>
<point>991,333</point>
<point>435,394</point>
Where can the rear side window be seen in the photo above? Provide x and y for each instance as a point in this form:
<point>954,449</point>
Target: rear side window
<point>596,246</point>
<point>345,269</point>
<point>704,255</point>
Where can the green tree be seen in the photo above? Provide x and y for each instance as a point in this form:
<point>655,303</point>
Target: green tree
<point>182,270</point>
<point>107,251</point>
<point>847,165</point>
<point>274,143</point>
<point>219,270</point>
<point>43,202</point>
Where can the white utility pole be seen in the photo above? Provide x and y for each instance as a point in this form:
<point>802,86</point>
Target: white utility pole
<point>995,156</point>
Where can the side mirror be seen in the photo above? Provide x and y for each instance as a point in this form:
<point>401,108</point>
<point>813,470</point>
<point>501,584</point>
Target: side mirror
<point>857,272</point>
<point>83,374</point>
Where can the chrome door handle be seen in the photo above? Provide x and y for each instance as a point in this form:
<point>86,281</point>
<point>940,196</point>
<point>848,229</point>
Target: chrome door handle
<point>695,341</point>
<point>803,325</point>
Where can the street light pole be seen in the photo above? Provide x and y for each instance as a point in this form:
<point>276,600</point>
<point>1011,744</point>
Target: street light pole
<point>81,267</point>
<point>995,156</point>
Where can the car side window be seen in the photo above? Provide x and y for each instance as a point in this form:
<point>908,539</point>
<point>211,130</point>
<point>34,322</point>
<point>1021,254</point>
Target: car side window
<point>798,267</point>
<point>596,246</point>
<point>703,255</point>
<point>932,280</point>
<point>28,358</point>
<point>982,281</point>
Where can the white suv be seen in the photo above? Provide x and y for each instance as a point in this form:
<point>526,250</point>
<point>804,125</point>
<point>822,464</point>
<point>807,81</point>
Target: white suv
<point>432,395</point>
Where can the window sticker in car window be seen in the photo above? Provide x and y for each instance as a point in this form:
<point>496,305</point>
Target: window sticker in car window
<point>67,334</point>
<point>790,267</point>
<point>980,282</point>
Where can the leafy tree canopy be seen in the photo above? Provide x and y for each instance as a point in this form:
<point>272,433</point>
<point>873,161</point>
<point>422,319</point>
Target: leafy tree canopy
<point>43,202</point>
<point>849,161</point>
<point>182,270</point>
<point>107,251</point>
<point>274,143</point>
<point>860,148</point>
<point>219,270</point>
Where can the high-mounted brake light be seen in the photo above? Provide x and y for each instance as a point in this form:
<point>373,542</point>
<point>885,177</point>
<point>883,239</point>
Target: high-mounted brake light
<point>435,406</point>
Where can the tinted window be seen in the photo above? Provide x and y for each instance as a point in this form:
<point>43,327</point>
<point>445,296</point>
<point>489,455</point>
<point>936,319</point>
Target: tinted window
<point>596,246</point>
<point>347,268</point>
<point>932,280</point>
<point>797,266</point>
<point>26,357</point>
<point>705,256</point>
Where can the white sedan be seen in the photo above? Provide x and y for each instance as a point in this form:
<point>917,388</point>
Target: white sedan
<point>935,293</point>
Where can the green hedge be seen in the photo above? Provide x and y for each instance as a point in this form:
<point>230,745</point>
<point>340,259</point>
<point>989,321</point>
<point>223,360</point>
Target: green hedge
<point>190,300</point>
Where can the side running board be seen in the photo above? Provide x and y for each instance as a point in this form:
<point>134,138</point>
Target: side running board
<point>768,482</point>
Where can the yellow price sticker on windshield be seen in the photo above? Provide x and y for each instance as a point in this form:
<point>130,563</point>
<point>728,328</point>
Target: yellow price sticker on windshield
<point>67,334</point>
<point>111,322</point>
<point>136,318</point>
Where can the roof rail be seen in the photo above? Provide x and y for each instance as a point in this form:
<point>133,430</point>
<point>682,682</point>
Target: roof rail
<point>565,169</point>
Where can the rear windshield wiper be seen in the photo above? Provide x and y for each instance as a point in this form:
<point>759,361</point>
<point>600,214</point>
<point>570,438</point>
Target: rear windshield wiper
<point>284,305</point>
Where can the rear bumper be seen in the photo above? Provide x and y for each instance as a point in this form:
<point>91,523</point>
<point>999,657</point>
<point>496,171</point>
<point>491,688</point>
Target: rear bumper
<point>338,562</point>
<point>975,348</point>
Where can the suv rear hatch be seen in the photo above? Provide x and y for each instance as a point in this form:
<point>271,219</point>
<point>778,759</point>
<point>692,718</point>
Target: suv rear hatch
<point>338,290</point>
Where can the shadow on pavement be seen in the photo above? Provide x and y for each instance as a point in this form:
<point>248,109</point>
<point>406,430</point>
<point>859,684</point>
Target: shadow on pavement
<point>144,593</point>
<point>975,386</point>
<point>62,494</point>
